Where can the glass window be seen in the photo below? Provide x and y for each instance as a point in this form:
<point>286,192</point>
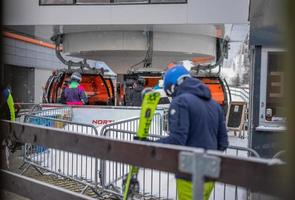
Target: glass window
<point>94,1</point>
<point>130,1</point>
<point>54,2</point>
<point>72,2</point>
<point>168,1</point>
<point>110,1</point>
<point>272,88</point>
<point>275,79</point>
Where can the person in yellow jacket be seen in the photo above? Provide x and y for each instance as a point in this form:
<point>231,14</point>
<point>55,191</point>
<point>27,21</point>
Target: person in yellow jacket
<point>7,110</point>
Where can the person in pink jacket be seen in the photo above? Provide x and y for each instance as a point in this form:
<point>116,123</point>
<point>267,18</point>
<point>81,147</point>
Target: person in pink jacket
<point>75,93</point>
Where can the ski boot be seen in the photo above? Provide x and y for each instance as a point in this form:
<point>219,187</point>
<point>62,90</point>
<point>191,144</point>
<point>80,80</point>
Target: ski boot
<point>134,186</point>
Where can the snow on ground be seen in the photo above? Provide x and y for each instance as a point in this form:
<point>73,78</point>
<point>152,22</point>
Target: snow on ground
<point>236,141</point>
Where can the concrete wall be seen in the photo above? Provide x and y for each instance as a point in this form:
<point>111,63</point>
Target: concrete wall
<point>122,49</point>
<point>21,80</point>
<point>267,23</point>
<point>25,55</point>
<point>186,43</point>
<point>105,41</point>
<point>28,55</point>
<point>41,76</point>
<point>28,12</point>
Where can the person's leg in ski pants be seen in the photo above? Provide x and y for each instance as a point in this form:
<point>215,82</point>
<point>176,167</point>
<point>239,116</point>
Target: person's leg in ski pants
<point>184,189</point>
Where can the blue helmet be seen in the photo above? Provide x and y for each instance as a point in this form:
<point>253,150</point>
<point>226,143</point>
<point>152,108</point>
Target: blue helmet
<point>173,77</point>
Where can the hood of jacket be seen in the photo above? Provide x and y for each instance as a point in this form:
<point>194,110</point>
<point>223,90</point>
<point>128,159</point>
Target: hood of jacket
<point>193,86</point>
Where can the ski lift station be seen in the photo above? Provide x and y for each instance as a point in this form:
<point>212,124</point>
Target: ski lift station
<point>85,151</point>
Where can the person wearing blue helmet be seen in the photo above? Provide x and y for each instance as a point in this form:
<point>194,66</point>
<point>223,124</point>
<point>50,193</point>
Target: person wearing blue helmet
<point>195,120</point>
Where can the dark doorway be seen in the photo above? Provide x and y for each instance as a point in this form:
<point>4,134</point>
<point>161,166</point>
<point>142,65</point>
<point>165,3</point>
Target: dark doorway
<point>21,80</point>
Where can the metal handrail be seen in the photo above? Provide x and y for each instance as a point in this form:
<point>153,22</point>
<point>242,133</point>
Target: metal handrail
<point>131,132</point>
<point>255,153</point>
<point>51,110</point>
<point>278,154</point>
<point>233,147</point>
<point>104,127</point>
<point>102,130</point>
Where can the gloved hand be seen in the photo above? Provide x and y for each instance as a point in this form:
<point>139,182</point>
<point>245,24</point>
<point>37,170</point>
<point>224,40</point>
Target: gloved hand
<point>142,139</point>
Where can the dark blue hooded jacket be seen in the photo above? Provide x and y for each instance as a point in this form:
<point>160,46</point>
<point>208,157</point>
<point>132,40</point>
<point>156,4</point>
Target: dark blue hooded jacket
<point>195,119</point>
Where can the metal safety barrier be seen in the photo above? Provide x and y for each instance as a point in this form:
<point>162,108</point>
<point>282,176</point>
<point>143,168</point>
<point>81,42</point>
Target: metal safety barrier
<point>110,175</point>
<point>153,183</point>
<point>83,169</point>
<point>65,113</point>
<point>114,173</point>
<point>258,175</point>
<point>132,125</point>
<point>159,184</point>
<point>224,191</point>
<point>25,109</point>
<point>78,167</point>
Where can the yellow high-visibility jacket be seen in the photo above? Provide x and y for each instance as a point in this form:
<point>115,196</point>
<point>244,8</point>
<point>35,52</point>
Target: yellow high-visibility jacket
<point>7,110</point>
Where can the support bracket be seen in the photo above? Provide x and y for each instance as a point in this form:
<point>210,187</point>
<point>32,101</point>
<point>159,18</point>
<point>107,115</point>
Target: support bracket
<point>200,165</point>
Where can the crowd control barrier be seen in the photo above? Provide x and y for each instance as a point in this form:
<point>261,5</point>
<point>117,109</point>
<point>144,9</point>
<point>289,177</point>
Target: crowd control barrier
<point>110,175</point>
<point>83,169</point>
<point>159,184</point>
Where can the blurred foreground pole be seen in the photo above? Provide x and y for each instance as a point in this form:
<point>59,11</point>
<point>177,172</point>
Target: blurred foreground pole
<point>291,97</point>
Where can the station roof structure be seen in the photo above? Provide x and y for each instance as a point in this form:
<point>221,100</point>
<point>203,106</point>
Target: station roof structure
<point>117,34</point>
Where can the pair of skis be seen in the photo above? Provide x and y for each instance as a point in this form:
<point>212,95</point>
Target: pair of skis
<point>148,107</point>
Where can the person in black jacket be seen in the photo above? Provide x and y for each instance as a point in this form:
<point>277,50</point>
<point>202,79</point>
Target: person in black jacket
<point>136,95</point>
<point>128,92</point>
<point>195,120</point>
